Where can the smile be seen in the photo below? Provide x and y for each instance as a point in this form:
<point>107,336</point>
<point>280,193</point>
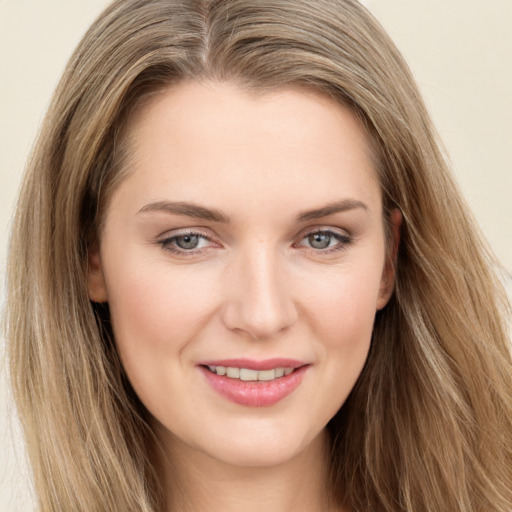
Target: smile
<point>246,374</point>
<point>253,383</point>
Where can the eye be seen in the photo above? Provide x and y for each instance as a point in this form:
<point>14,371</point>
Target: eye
<point>325,240</point>
<point>190,241</point>
<point>185,243</point>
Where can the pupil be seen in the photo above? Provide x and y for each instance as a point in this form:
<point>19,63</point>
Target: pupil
<point>319,240</point>
<point>187,241</point>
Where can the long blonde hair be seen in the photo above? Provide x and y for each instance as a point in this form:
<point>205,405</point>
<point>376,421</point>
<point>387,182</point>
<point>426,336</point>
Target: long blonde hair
<point>428,426</point>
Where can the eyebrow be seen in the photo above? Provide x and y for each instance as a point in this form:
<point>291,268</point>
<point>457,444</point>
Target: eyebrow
<point>184,208</point>
<point>201,212</point>
<point>331,209</point>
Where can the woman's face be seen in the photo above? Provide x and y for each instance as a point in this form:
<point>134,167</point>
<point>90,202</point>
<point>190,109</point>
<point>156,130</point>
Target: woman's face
<point>247,239</point>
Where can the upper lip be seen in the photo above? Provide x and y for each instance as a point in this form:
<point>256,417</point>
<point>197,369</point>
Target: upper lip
<point>251,364</point>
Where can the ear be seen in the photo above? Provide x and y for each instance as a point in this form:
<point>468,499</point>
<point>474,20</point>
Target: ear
<point>388,274</point>
<point>95,279</point>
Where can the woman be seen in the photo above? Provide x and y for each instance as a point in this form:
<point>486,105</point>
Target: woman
<point>241,276</point>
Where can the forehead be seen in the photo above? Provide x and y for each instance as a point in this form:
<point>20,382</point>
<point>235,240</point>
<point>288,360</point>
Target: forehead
<point>209,141</point>
<point>215,109</point>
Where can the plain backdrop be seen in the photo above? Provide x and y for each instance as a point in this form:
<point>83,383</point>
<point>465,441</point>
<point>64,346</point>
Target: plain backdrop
<point>459,50</point>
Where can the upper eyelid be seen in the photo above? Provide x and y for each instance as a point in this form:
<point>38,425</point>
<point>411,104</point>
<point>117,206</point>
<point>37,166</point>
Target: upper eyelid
<point>187,233</point>
<point>323,229</point>
<point>172,233</point>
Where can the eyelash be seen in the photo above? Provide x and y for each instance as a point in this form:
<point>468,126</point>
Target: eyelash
<point>167,243</point>
<point>342,239</point>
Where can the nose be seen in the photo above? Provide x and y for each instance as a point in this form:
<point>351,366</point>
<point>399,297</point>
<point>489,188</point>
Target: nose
<point>259,296</point>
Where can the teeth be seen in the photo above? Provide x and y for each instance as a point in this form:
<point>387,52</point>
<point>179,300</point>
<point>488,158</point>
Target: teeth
<point>233,373</point>
<point>267,375</point>
<point>246,374</point>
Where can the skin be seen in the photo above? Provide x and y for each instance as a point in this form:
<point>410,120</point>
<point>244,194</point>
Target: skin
<point>254,287</point>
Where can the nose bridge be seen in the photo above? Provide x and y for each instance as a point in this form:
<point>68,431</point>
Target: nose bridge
<point>260,300</point>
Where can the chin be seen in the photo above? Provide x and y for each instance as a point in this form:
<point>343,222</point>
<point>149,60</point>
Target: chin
<point>264,448</point>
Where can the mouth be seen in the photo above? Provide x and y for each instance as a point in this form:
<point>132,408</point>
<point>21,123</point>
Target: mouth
<point>248,375</point>
<point>254,384</point>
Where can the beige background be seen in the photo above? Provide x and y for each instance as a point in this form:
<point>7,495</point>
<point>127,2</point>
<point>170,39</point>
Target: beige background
<point>460,52</point>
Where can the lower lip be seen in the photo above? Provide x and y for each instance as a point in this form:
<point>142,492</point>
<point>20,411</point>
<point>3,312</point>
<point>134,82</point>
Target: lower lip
<point>255,393</point>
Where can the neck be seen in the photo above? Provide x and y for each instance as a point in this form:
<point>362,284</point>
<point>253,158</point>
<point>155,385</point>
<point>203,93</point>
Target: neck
<point>196,482</point>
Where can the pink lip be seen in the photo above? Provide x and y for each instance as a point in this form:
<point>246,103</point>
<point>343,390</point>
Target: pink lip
<point>256,393</point>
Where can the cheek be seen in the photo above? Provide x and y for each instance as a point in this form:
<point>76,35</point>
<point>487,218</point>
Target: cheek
<point>343,303</point>
<point>156,313</point>
<point>341,315</point>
